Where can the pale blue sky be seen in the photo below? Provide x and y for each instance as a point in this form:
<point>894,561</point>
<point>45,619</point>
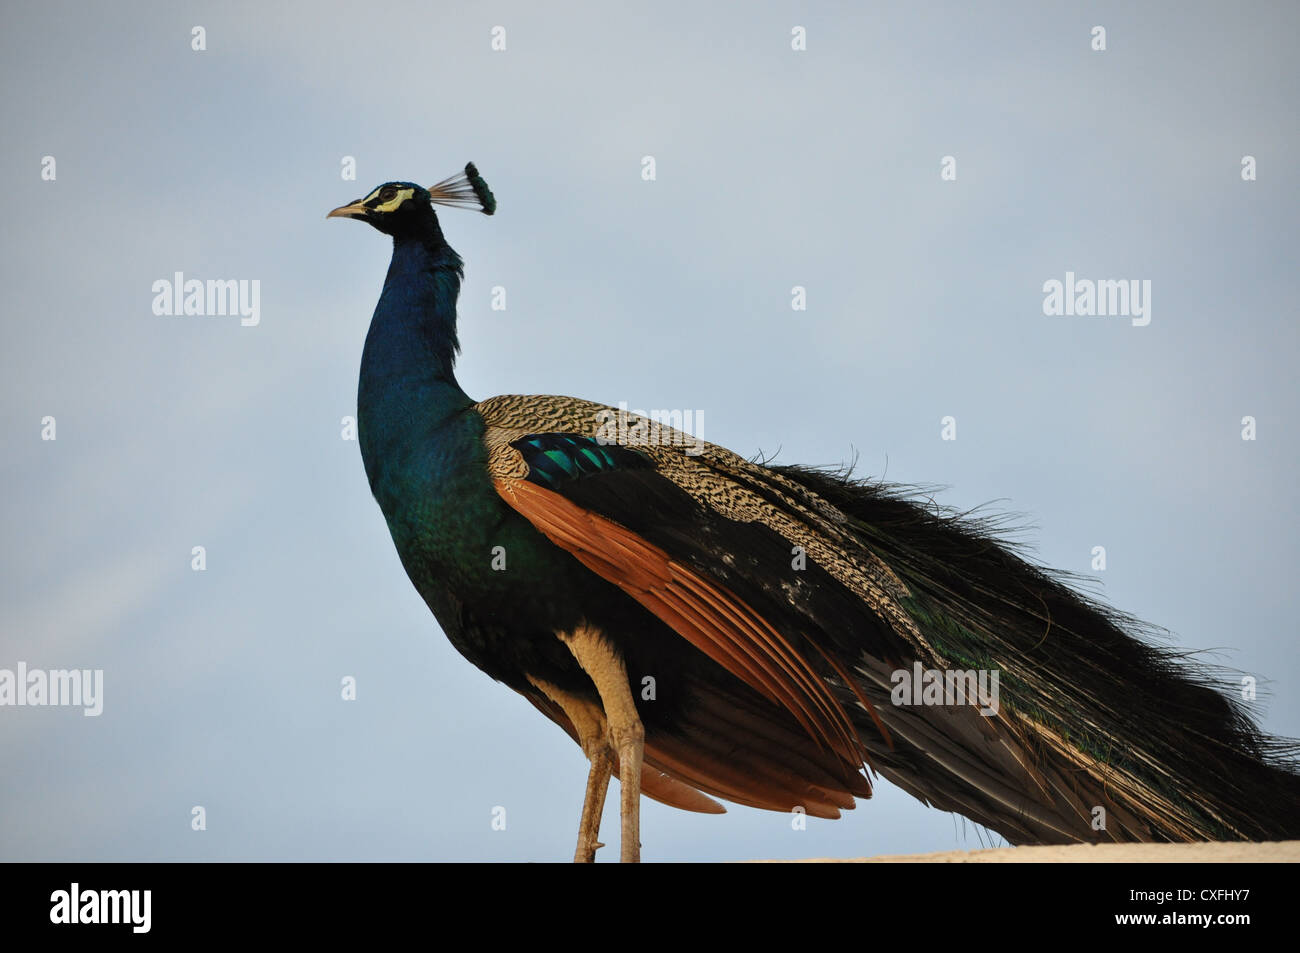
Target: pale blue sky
<point>775,169</point>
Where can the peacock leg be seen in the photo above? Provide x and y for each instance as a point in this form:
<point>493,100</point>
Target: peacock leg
<point>593,735</point>
<point>602,765</point>
<point>626,734</point>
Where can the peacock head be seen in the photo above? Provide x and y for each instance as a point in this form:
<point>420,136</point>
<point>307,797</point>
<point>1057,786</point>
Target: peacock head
<point>404,208</point>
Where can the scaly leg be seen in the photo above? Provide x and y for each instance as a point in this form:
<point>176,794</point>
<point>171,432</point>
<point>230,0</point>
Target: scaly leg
<point>589,722</point>
<point>626,733</point>
<point>602,766</point>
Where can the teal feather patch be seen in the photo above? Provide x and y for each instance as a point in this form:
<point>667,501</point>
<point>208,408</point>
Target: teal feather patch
<point>553,458</point>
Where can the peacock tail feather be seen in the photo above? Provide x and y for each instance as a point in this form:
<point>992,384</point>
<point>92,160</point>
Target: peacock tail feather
<point>704,539</point>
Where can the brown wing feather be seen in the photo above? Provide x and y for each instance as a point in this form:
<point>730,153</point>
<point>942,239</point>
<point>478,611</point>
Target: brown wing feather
<point>713,620</point>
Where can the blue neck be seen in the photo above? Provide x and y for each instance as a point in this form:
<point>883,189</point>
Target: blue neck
<point>407,387</point>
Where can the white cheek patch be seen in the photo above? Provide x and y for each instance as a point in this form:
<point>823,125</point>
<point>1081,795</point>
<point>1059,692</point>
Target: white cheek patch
<point>401,196</point>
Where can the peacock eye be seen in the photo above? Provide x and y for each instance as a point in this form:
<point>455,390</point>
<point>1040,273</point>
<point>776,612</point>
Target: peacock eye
<point>387,193</point>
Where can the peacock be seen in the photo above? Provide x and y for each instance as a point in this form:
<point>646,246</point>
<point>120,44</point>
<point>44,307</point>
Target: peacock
<point>803,631</point>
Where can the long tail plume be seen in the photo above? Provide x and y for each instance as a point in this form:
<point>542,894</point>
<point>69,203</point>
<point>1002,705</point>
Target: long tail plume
<point>1105,717</point>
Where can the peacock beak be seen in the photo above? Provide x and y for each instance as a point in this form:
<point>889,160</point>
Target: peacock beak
<point>354,210</point>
